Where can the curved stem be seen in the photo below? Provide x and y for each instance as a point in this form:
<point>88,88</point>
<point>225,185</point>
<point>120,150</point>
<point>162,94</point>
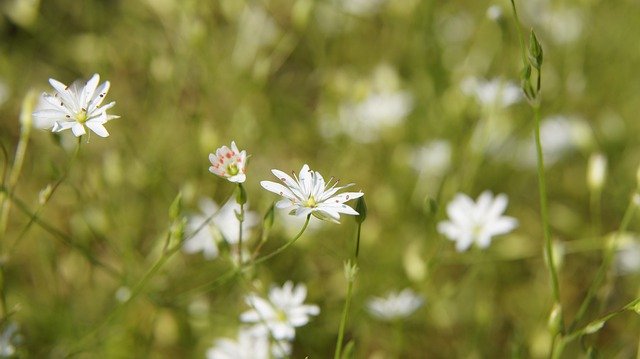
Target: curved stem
<point>343,321</point>
<point>284,246</point>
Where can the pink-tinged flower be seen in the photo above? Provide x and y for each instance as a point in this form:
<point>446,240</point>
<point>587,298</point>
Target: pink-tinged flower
<point>74,107</point>
<point>229,163</point>
<point>478,221</point>
<point>309,194</point>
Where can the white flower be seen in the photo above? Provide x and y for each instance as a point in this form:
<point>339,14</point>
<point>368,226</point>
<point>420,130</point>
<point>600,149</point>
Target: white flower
<point>229,163</point>
<point>75,107</point>
<point>395,305</point>
<point>8,340</point>
<point>362,7</point>
<point>223,226</point>
<point>249,345</point>
<point>495,92</point>
<point>282,313</point>
<point>476,221</point>
<point>433,158</point>
<point>309,194</point>
<point>596,171</point>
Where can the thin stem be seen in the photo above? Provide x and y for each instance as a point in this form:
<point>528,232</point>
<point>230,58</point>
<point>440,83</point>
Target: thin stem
<point>520,37</point>
<point>240,221</point>
<point>542,187</point>
<point>604,266</point>
<point>284,246</point>
<point>343,321</point>
<point>345,310</point>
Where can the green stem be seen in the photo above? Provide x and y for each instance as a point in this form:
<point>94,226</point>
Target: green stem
<point>240,220</point>
<point>542,187</point>
<point>604,266</point>
<point>343,321</point>
<point>284,246</point>
<point>520,37</point>
<point>347,303</point>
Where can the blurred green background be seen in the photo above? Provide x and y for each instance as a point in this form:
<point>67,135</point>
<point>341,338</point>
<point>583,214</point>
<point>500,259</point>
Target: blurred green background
<point>394,96</point>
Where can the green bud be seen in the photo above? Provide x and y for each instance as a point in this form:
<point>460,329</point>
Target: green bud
<point>241,194</point>
<point>348,351</point>
<point>361,208</point>
<point>268,219</point>
<point>45,194</point>
<point>594,327</point>
<point>176,207</point>
<point>535,51</point>
<point>555,319</point>
<point>26,113</point>
<point>528,90</point>
<point>430,206</point>
<point>525,74</point>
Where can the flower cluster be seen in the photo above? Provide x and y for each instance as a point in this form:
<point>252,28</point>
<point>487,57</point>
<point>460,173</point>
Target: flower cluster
<point>273,321</point>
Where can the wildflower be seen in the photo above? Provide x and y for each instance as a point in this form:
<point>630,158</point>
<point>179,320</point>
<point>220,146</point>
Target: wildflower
<point>596,171</point>
<point>9,339</point>
<point>229,163</point>
<point>309,194</point>
<point>495,92</point>
<point>395,305</point>
<point>476,221</point>
<point>75,107</point>
<point>249,345</point>
<point>222,225</point>
<point>282,312</point>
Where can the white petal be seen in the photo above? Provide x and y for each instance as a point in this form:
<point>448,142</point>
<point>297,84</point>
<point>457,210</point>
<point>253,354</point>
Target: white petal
<point>97,128</point>
<point>88,90</point>
<point>78,129</point>
<point>277,188</point>
<point>346,196</point>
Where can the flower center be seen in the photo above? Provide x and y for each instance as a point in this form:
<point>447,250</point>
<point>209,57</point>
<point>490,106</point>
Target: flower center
<point>311,202</point>
<point>232,169</point>
<point>81,117</point>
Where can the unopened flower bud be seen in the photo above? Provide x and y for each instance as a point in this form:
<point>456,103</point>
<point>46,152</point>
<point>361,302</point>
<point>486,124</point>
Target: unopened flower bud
<point>45,194</point>
<point>176,207</point>
<point>241,194</point>
<point>594,326</point>
<point>555,319</point>
<point>596,171</point>
<point>26,117</point>
<point>535,51</point>
<point>267,221</point>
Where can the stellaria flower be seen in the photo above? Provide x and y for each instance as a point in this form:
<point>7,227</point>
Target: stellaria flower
<point>249,345</point>
<point>75,107</point>
<point>495,92</point>
<point>309,194</point>
<point>229,163</point>
<point>282,312</point>
<point>223,223</point>
<point>395,305</point>
<point>476,221</point>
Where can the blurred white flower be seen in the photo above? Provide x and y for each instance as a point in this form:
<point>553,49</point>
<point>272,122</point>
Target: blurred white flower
<point>8,340</point>
<point>559,135</point>
<point>229,163</point>
<point>74,107</point>
<point>223,225</point>
<point>372,106</point>
<point>432,158</point>
<point>256,30</point>
<point>282,312</point>
<point>362,7</point>
<point>309,194</point>
<point>471,221</point>
<point>596,171</point>
<point>494,12</point>
<point>564,25</point>
<point>395,305</point>
<point>249,345</point>
<point>495,93</point>
<point>627,260</point>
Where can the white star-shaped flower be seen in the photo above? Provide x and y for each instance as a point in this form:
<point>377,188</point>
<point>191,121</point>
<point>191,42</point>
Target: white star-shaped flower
<point>249,345</point>
<point>229,163</point>
<point>74,107</point>
<point>309,194</point>
<point>282,312</point>
<point>478,222</point>
<point>395,305</point>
